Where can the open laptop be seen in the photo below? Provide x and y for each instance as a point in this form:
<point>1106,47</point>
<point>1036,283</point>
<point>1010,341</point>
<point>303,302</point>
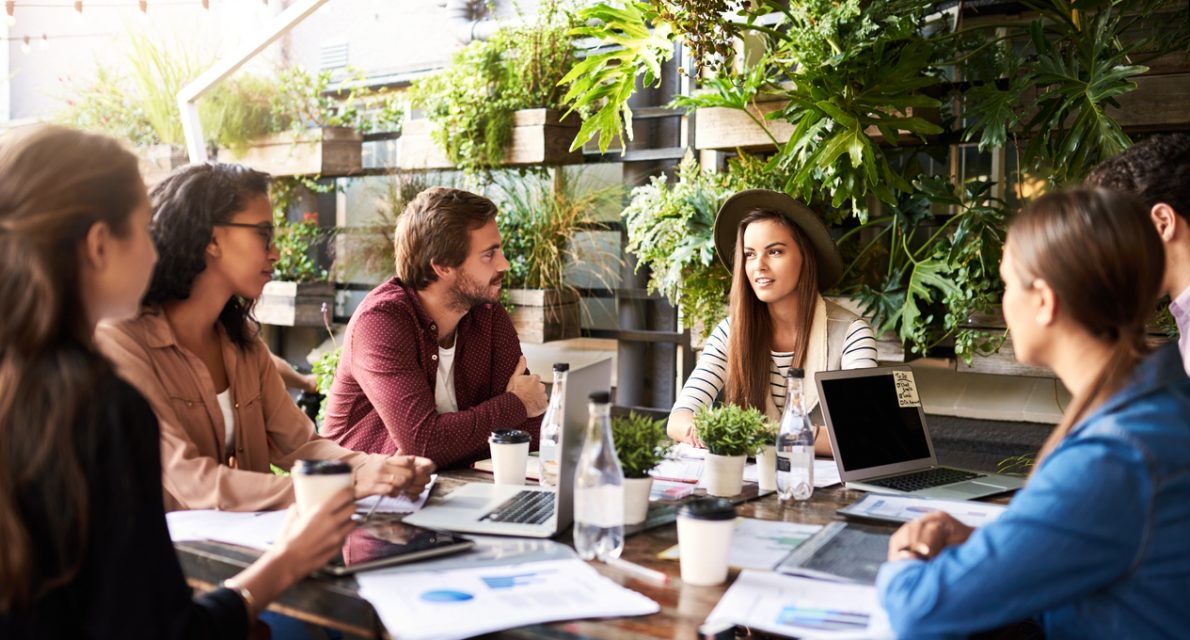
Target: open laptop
<point>526,511</point>
<point>878,430</point>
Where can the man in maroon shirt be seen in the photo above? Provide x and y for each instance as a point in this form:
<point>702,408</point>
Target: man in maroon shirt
<point>431,363</point>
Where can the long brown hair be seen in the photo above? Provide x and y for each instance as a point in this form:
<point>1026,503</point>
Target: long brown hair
<point>55,183</point>
<point>1103,259</point>
<point>750,340</point>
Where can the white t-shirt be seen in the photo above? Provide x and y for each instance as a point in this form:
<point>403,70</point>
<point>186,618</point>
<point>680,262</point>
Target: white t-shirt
<point>444,388</point>
<point>229,420</point>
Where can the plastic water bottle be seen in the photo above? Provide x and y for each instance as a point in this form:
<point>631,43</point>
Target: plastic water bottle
<point>599,488</point>
<point>551,427</point>
<point>795,443</point>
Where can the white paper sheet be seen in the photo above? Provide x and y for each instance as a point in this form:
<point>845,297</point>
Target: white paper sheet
<point>905,508</point>
<point>248,529</point>
<point>445,605</point>
<point>399,504</point>
<point>802,607</point>
<point>759,544</point>
<point>826,473</point>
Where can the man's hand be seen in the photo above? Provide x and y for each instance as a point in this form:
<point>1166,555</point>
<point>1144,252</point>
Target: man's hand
<point>529,389</point>
<point>927,536</point>
<point>395,475</point>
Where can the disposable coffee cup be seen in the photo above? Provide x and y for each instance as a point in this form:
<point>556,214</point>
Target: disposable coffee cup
<point>510,454</point>
<point>315,481</point>
<point>704,539</point>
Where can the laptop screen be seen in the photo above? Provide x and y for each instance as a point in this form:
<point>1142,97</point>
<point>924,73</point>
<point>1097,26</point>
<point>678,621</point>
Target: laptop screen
<point>871,427</point>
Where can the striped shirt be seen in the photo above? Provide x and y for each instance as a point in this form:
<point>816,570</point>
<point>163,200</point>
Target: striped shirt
<point>709,376</point>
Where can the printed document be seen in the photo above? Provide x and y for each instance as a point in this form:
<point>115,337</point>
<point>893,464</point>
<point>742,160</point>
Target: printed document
<point>802,607</point>
<point>444,605</point>
<point>894,508</point>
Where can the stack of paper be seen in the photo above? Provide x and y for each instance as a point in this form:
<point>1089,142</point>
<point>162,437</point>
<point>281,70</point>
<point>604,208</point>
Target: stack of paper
<point>247,529</point>
<point>896,508</point>
<point>802,608</point>
<point>444,605</point>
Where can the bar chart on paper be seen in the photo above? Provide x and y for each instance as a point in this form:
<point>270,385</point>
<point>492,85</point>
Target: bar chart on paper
<point>802,607</point>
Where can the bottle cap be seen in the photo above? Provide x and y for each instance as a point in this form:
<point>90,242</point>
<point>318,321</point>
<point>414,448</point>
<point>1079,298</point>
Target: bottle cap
<point>795,372</point>
<point>600,397</point>
<point>707,509</point>
<point>320,468</point>
<point>509,436</point>
<point>561,366</point>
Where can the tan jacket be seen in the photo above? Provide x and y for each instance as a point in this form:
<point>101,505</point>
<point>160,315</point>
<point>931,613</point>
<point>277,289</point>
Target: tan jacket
<point>270,428</point>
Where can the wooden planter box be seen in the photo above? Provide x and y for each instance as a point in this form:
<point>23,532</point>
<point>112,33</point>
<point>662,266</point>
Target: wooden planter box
<point>729,129</point>
<point>159,160</point>
<point>542,315</point>
<point>538,137</point>
<point>293,304</point>
<point>328,152</point>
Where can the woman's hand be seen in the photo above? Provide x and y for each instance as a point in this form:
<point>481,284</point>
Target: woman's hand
<point>927,536</point>
<point>394,475</point>
<point>308,541</point>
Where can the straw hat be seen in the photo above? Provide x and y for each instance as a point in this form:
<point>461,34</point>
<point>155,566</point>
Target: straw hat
<point>830,262</point>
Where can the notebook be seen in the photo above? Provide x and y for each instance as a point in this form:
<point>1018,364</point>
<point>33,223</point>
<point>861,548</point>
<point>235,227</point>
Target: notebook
<point>526,511</point>
<point>881,442</point>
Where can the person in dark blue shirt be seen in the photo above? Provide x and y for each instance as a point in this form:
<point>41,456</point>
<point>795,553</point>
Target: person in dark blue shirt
<point>1097,545</point>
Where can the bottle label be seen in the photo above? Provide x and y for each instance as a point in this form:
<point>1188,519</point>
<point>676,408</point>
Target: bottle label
<point>783,463</point>
<point>599,506</point>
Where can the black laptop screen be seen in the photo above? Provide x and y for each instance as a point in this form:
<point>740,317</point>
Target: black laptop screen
<point>871,428</point>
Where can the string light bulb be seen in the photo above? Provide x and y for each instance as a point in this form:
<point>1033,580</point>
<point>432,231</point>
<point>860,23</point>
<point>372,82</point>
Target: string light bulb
<point>206,4</point>
<point>25,46</point>
<point>78,11</point>
<point>10,12</point>
<point>44,43</point>
<point>143,5</point>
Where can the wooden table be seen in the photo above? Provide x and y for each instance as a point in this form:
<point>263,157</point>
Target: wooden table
<point>335,603</point>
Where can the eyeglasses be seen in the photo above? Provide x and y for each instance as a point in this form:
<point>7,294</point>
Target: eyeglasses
<point>264,229</point>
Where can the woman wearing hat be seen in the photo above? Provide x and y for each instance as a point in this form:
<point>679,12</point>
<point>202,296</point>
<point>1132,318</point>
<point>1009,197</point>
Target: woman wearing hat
<point>781,256</point>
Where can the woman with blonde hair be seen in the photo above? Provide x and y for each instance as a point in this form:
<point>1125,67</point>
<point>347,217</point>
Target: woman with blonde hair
<point>85,551</point>
<point>1097,544</point>
<point>780,256</point>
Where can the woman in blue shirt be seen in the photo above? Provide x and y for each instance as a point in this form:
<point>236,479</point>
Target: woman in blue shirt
<point>1097,545</point>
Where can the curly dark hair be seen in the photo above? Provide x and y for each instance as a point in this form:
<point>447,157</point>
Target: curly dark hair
<point>186,207</point>
<point>1156,170</point>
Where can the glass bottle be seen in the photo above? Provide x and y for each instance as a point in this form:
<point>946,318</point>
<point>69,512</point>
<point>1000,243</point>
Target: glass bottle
<point>551,427</point>
<point>599,488</point>
<point>795,442</point>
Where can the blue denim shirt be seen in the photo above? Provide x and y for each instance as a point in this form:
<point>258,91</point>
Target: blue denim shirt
<point>1096,546</point>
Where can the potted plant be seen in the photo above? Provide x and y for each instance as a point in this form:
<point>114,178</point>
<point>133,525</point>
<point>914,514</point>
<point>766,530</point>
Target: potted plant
<point>140,106</point>
<point>641,444</point>
<point>318,130</point>
<point>538,221</point>
<point>499,101</point>
<point>766,457</point>
<point>730,435</point>
<point>299,289</point>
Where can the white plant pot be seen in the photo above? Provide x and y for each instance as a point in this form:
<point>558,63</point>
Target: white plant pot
<point>766,466</point>
<point>724,475</point>
<point>636,499</point>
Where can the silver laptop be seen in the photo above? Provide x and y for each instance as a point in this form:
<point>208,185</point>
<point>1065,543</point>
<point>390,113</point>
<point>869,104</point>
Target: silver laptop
<point>878,431</point>
<point>528,511</point>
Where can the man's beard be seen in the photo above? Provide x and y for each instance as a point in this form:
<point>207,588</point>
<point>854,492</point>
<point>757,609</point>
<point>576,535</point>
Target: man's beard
<point>467,294</point>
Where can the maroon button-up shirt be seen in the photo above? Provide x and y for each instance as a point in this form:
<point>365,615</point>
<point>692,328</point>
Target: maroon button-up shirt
<point>382,400</point>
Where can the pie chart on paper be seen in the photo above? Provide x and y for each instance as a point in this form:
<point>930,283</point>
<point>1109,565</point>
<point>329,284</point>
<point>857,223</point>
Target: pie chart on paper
<point>446,596</point>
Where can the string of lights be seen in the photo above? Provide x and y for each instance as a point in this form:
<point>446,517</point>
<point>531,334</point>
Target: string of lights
<point>77,7</point>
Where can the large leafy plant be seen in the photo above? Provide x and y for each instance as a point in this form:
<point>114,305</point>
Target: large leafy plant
<point>728,430</point>
<point>641,443</point>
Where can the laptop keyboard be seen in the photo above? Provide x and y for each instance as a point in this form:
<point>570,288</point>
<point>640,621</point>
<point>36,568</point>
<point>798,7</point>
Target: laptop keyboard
<point>935,477</point>
<point>526,507</point>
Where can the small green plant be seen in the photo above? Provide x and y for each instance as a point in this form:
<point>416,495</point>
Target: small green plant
<point>766,436</point>
<point>728,430</point>
<point>641,443</point>
<point>305,100</point>
<point>1016,465</point>
<point>296,244</point>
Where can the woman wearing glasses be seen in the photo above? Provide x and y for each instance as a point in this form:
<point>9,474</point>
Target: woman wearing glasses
<point>195,354</point>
